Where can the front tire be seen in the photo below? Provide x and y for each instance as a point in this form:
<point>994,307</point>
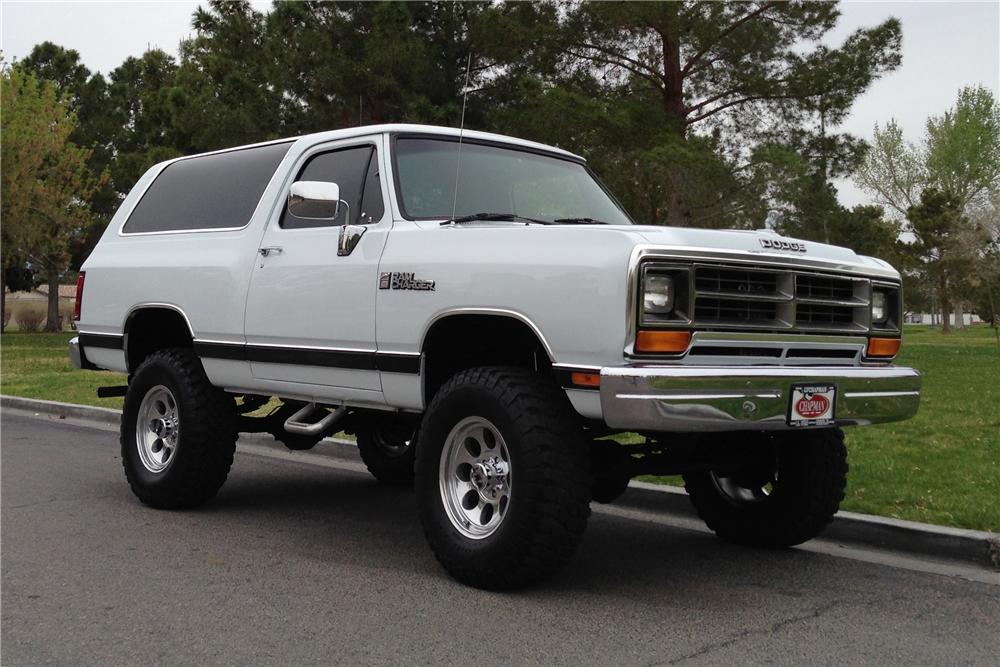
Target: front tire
<point>787,496</point>
<point>502,478</point>
<point>178,432</point>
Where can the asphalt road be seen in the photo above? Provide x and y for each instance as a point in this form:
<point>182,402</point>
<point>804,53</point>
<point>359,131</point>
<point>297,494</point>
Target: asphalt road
<point>296,563</point>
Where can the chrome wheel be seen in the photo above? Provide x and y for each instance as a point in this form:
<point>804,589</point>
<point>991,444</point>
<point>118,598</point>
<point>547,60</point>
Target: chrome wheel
<point>475,477</point>
<point>157,429</point>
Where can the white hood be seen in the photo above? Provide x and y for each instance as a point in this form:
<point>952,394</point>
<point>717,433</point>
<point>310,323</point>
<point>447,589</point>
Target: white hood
<point>763,243</point>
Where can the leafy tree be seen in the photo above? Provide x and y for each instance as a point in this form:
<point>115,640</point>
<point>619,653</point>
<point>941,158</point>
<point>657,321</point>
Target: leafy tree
<point>96,128</point>
<point>734,72</point>
<point>223,93</point>
<point>960,154</point>
<point>958,160</point>
<point>945,240</point>
<point>46,184</point>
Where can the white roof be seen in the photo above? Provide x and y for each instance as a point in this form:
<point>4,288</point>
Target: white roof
<point>367,130</point>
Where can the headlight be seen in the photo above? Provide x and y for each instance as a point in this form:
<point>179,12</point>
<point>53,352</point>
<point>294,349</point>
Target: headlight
<point>879,311</point>
<point>658,294</point>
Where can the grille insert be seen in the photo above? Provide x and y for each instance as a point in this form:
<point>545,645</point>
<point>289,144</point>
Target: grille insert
<point>736,282</point>
<point>736,297</point>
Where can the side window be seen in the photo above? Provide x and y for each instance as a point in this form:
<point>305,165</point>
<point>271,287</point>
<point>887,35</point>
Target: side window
<point>207,192</point>
<point>347,168</point>
<point>372,206</point>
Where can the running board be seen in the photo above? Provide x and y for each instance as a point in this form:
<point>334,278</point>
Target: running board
<point>297,424</point>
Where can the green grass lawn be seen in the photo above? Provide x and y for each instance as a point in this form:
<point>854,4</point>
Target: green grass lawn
<point>941,467</point>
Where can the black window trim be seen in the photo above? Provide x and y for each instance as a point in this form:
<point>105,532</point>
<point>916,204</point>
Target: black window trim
<point>320,149</point>
<point>395,136</point>
<point>202,230</point>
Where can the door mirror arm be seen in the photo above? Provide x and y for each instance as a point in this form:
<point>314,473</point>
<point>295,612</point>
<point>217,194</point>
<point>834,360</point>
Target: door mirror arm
<point>350,235</point>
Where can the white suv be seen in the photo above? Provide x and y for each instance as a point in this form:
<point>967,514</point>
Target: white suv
<point>485,317</point>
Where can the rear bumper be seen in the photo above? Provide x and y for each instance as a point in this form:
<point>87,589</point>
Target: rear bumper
<point>700,399</point>
<point>77,356</point>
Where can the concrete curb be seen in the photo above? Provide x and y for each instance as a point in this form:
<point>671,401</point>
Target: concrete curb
<point>976,547</point>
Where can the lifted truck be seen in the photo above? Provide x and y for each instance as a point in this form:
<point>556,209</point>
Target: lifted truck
<point>482,313</point>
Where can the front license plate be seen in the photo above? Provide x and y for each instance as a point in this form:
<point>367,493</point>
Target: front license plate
<point>812,404</point>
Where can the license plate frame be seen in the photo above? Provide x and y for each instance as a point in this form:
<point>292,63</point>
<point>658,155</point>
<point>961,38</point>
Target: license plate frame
<point>812,404</point>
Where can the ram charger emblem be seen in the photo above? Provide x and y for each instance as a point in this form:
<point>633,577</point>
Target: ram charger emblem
<point>408,281</point>
<point>775,244</point>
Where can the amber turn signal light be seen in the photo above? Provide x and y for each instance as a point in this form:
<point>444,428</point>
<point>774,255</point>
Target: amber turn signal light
<point>883,347</point>
<point>662,342</point>
<point>586,379</point>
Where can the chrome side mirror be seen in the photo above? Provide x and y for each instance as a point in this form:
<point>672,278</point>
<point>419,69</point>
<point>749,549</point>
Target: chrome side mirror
<point>314,200</point>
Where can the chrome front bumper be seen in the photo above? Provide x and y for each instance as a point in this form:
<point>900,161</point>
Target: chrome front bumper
<point>700,398</point>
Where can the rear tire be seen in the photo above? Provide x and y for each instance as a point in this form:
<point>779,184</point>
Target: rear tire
<point>788,496</point>
<point>388,451</point>
<point>502,478</point>
<point>178,432</point>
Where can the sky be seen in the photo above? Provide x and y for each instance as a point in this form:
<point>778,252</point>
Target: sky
<point>946,45</point>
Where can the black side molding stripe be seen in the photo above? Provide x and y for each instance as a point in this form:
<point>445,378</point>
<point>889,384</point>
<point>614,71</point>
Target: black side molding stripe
<point>389,362</point>
<point>233,351</point>
<point>303,356</point>
<point>105,341</point>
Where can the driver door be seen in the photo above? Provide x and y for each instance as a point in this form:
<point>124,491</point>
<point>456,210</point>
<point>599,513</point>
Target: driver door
<point>310,315</point>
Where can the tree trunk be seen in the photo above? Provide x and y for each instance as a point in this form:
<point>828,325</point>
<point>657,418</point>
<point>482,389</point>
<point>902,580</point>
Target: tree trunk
<point>3,297</point>
<point>52,321</point>
<point>945,306</point>
<point>959,316</point>
<point>678,207</point>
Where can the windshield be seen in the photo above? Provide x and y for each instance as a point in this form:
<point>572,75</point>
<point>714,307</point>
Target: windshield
<point>497,180</point>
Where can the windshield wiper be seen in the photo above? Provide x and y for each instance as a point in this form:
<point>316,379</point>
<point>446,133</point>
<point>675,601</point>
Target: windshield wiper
<point>494,217</point>
<point>580,221</point>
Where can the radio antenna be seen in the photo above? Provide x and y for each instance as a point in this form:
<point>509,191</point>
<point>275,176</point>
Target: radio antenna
<point>461,133</point>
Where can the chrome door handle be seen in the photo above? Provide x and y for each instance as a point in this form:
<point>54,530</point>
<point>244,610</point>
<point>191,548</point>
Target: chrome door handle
<point>273,250</point>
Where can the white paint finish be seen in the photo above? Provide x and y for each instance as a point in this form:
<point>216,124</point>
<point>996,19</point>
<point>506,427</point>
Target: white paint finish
<point>586,402</point>
<point>113,360</point>
<point>569,283</point>
<point>308,296</point>
<point>403,390</point>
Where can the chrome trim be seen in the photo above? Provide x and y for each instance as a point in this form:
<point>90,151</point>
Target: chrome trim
<point>74,353</point>
<point>402,354</point>
<point>488,311</point>
<point>167,163</point>
<point>156,304</point>
<point>880,394</point>
<point>577,367</point>
<point>688,256</point>
<point>785,343</point>
<point>359,350</point>
<point>305,193</point>
<point>349,237</point>
<point>313,347</point>
<point>707,399</point>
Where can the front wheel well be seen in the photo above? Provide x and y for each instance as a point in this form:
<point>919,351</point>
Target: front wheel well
<point>460,342</point>
<point>148,330</point>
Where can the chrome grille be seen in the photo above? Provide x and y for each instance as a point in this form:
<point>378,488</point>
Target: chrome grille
<point>732,297</point>
<point>720,280</point>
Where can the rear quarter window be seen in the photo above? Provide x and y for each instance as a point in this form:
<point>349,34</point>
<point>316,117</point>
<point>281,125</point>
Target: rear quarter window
<point>208,192</point>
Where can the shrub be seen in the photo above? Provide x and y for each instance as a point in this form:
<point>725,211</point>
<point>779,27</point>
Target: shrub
<point>30,319</point>
<point>65,315</point>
